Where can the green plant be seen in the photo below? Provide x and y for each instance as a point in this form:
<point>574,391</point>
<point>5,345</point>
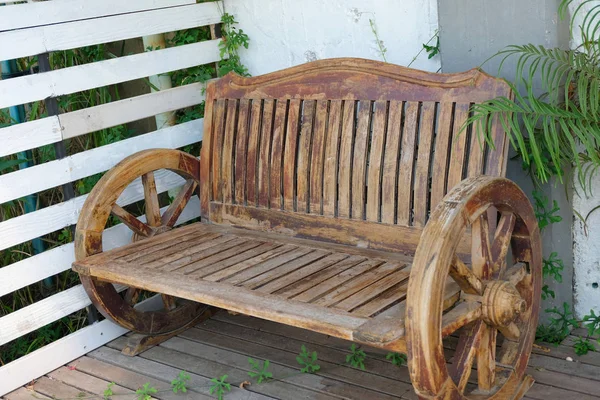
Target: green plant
<point>218,387</point>
<point>397,359</point>
<point>356,358</point>
<point>259,371</point>
<point>179,384</point>
<point>108,391</point>
<point>145,392</point>
<point>380,47</point>
<point>233,39</point>
<point>308,361</point>
<point>583,346</point>
<point>544,216</point>
<point>592,323</point>
<point>547,292</point>
<point>562,124</point>
<point>552,267</point>
<point>559,326</point>
<point>431,50</point>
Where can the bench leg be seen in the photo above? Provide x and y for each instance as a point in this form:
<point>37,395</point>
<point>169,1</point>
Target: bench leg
<point>137,343</point>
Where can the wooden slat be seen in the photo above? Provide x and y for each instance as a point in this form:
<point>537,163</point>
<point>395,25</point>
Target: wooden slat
<point>289,156</point>
<point>43,312</point>
<point>56,354</point>
<point>276,175</point>
<point>179,260</point>
<point>317,157</point>
<point>370,292</point>
<point>292,277</point>
<point>228,149</point>
<point>384,299</point>
<point>51,262</point>
<point>439,169</point>
<point>240,257</point>
<point>421,179</point>
<point>236,243</point>
<point>330,168</point>
<point>376,161</point>
<point>264,162</point>
<point>253,153</point>
<point>241,300</point>
<point>54,173</point>
<point>358,283</point>
<point>303,174</point>
<point>69,80</point>
<point>284,269</point>
<point>28,135</point>
<point>35,224</point>
<point>217,135</point>
<point>230,271</point>
<point>44,13</point>
<point>390,163</point>
<point>211,264</point>
<point>316,292</point>
<point>363,234</point>
<point>407,157</point>
<point>345,170</point>
<point>274,262</point>
<point>359,162</point>
<point>477,149</point>
<point>458,153</point>
<point>241,150</point>
<point>70,35</point>
<point>320,276</point>
<point>119,112</point>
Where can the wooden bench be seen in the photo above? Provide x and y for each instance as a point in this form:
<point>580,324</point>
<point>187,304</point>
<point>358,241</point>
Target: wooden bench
<point>337,196</point>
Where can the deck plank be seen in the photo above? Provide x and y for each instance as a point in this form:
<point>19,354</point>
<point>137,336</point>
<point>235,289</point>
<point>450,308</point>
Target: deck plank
<point>223,344</point>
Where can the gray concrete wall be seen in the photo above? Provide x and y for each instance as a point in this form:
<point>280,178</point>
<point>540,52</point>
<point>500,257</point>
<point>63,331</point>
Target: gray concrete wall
<point>473,31</point>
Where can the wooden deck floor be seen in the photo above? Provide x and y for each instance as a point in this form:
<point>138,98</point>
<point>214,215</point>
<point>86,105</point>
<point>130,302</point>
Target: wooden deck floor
<point>223,344</point>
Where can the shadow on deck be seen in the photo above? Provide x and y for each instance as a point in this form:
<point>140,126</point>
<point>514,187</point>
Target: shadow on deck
<point>223,344</point>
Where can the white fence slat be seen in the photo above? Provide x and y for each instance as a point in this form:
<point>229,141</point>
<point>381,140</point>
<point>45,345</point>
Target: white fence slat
<point>45,13</point>
<point>29,42</point>
<point>54,173</point>
<point>28,135</point>
<point>50,309</point>
<point>51,262</point>
<point>93,119</point>
<point>41,222</point>
<point>26,89</point>
<point>56,354</point>
<point>64,350</point>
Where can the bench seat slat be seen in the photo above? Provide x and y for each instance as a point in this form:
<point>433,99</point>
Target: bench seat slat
<point>296,281</point>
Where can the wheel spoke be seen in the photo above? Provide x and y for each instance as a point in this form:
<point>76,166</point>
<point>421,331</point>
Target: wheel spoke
<point>466,279</point>
<point>132,295</point>
<point>510,332</point>
<point>501,242</point>
<point>169,302</point>
<point>516,273</point>
<point>176,208</point>
<point>132,222</point>
<point>461,315</point>
<point>480,247</point>
<point>466,350</point>
<point>151,197</point>
<point>486,359</point>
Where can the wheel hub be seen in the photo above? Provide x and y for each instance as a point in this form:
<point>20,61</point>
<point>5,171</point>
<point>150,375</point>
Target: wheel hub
<point>502,303</point>
<point>155,231</point>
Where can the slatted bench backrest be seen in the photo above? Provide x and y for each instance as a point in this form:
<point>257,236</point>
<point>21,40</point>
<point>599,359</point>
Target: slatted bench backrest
<point>346,150</point>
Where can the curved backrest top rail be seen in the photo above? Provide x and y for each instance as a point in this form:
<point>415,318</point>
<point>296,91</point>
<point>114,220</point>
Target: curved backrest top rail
<point>357,78</point>
<point>347,150</point>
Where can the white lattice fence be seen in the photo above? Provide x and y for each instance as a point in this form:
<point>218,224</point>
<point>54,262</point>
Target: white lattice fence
<point>35,28</point>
